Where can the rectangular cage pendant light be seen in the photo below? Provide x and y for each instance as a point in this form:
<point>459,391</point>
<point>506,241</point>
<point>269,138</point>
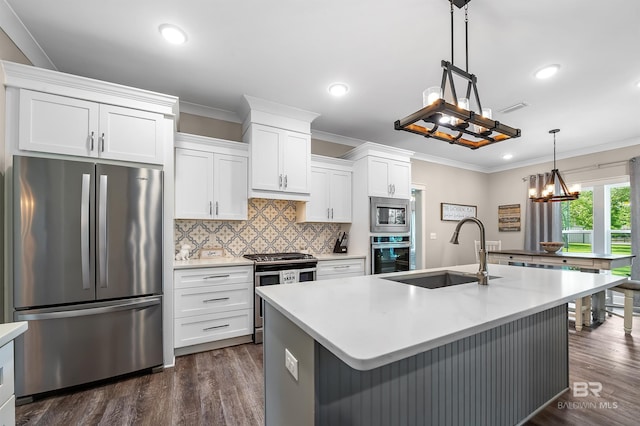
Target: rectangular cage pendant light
<point>455,122</point>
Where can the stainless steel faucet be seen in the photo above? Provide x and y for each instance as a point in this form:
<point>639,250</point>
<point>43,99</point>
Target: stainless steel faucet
<point>482,274</point>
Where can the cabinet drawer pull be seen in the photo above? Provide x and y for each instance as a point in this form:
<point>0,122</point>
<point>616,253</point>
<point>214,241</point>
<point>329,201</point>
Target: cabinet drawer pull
<point>331,212</point>
<point>215,327</point>
<point>342,267</point>
<point>210,208</point>
<point>92,141</point>
<point>285,181</point>
<point>216,208</point>
<point>280,182</point>
<point>211,277</point>
<point>102,142</point>
<point>215,300</point>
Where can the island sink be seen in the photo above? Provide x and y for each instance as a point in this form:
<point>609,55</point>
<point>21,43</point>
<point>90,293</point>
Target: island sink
<point>436,279</point>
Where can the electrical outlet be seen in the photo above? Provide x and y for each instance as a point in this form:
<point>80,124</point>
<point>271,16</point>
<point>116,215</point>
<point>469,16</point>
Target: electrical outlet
<point>291,364</point>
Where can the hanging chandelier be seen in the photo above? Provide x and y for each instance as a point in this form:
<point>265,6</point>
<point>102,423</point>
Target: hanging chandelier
<point>549,193</point>
<point>455,122</point>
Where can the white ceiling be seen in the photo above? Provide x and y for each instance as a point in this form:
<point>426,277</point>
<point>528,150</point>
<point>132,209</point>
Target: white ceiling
<point>289,51</point>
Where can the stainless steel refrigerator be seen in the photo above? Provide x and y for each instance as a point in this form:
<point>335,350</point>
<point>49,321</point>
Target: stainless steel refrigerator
<point>87,271</point>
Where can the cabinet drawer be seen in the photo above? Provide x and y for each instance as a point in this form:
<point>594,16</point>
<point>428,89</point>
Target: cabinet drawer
<point>506,258</point>
<point>208,328</point>
<point>6,372</point>
<point>205,277</point>
<point>583,263</point>
<point>212,299</point>
<point>339,268</point>
<point>8,412</point>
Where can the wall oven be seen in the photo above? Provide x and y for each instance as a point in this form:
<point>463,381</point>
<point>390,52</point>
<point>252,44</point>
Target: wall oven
<point>274,269</point>
<point>390,254</point>
<point>390,215</point>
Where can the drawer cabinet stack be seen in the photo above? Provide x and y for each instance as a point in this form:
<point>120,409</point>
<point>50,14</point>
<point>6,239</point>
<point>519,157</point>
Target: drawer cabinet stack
<point>212,304</point>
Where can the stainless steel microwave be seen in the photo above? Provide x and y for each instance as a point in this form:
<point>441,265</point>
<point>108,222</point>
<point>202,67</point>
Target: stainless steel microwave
<point>390,215</point>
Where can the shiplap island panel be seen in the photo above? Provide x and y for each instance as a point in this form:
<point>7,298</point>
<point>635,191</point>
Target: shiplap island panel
<point>492,354</point>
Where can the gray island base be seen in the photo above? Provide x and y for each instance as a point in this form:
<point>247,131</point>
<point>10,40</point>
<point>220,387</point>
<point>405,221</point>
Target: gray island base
<point>500,376</point>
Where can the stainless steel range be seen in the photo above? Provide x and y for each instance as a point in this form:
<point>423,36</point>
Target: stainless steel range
<point>278,268</point>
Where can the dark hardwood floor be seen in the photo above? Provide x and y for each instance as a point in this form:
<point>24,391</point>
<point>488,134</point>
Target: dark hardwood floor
<point>224,387</point>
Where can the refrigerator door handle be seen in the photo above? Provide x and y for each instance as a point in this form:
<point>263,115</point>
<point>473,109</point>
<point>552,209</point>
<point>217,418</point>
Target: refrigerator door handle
<point>102,232</point>
<point>125,306</point>
<point>84,230</point>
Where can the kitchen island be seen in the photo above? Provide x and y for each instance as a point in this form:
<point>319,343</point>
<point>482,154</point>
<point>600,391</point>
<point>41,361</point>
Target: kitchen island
<point>373,351</point>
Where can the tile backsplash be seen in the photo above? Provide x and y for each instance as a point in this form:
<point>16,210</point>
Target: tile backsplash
<point>271,228</point>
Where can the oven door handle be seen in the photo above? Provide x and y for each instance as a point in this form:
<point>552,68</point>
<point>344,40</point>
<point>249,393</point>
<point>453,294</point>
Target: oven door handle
<point>277,272</point>
<point>391,245</point>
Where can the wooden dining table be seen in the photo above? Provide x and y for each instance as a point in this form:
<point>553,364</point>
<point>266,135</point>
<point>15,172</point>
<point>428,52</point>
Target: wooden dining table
<point>588,309</point>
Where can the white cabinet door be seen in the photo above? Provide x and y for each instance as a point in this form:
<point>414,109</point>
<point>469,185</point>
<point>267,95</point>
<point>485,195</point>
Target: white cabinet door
<point>57,124</point>
<point>379,177</point>
<point>130,135</point>
<point>318,206</point>
<point>296,159</point>
<point>194,184</point>
<point>400,179</point>
<point>266,172</point>
<point>230,187</point>
<point>340,191</point>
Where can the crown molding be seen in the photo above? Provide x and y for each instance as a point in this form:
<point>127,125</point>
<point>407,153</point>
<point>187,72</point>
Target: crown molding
<point>59,83</point>
<point>210,112</point>
<point>15,29</point>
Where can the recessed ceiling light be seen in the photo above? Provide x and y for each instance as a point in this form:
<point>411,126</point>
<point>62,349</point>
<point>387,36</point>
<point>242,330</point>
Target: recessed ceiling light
<point>507,156</point>
<point>547,71</point>
<point>173,34</point>
<point>338,89</point>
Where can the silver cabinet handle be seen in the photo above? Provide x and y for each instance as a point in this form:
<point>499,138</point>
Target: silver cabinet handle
<point>280,182</point>
<point>331,212</point>
<point>211,277</point>
<point>84,229</point>
<point>342,267</point>
<point>210,208</point>
<point>394,188</point>
<point>215,326</point>
<point>215,300</point>
<point>102,142</point>
<point>102,231</point>
<point>389,189</point>
<point>328,215</point>
<point>216,208</point>
<point>91,137</point>
<point>285,181</point>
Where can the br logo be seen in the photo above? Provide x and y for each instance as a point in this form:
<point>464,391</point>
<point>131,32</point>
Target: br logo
<point>582,389</point>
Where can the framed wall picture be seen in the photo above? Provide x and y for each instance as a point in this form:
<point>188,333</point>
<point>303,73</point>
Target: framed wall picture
<point>455,212</point>
<point>509,218</point>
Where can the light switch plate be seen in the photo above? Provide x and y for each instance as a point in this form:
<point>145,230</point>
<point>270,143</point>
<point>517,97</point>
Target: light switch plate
<point>291,364</point>
<point>432,236</point>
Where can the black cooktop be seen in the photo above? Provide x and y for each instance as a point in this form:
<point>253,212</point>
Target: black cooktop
<point>278,257</point>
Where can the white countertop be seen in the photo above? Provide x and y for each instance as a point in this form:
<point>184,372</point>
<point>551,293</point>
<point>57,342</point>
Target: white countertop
<point>11,330</point>
<point>339,256</point>
<point>211,263</point>
<point>368,321</point>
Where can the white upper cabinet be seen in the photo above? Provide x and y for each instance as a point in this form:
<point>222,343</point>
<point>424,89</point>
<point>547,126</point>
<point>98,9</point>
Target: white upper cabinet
<point>389,178</point>
<point>279,139</point>
<point>330,186</point>
<point>279,160</point>
<point>194,184</point>
<point>63,125</point>
<point>211,178</point>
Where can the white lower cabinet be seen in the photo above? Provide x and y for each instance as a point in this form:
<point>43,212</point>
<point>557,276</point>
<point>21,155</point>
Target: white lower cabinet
<point>7,398</point>
<point>342,268</point>
<point>212,304</point>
